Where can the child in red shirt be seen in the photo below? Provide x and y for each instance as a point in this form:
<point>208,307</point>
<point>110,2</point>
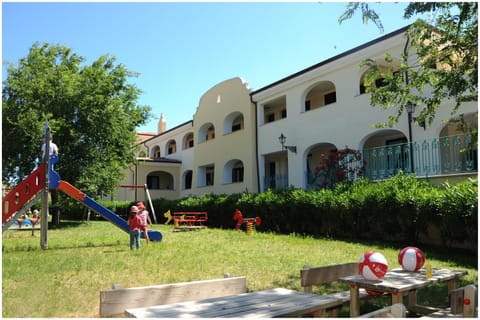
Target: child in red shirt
<point>135,225</point>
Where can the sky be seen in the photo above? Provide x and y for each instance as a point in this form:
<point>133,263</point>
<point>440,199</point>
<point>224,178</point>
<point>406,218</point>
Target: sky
<point>181,50</point>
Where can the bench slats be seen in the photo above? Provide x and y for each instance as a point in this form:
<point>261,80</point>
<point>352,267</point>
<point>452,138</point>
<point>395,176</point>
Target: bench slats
<point>117,300</point>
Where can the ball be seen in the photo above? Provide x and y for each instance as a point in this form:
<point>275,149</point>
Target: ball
<point>373,265</point>
<point>411,258</point>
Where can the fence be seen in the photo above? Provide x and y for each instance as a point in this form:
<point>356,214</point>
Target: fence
<point>439,156</point>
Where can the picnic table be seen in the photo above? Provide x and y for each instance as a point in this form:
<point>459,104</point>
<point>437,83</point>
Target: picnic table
<point>399,282</point>
<point>279,302</point>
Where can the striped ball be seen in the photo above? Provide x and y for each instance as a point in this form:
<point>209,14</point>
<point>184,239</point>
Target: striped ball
<point>411,258</point>
<point>373,265</point>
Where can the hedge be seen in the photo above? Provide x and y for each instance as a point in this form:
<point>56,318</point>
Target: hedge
<point>399,209</point>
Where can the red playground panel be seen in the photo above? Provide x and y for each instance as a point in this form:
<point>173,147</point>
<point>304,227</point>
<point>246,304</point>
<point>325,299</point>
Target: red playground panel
<point>190,219</point>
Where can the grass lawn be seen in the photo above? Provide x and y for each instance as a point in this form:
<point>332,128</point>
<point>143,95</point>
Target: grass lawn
<point>82,259</point>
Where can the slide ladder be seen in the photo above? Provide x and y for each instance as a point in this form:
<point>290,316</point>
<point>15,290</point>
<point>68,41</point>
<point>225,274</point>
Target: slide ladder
<point>28,191</point>
<point>22,196</point>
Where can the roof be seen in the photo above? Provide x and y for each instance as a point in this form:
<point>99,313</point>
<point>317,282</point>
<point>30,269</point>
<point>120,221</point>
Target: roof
<point>167,131</point>
<point>337,57</point>
<point>158,160</point>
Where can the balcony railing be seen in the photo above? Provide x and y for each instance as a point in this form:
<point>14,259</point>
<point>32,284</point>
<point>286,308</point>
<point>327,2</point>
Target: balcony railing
<point>276,182</point>
<point>442,156</point>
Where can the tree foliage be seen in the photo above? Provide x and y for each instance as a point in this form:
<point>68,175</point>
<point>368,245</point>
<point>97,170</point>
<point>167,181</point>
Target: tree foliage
<point>446,60</point>
<point>91,109</point>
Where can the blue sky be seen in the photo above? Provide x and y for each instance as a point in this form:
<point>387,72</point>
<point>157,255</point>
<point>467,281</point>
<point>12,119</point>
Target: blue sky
<point>181,50</point>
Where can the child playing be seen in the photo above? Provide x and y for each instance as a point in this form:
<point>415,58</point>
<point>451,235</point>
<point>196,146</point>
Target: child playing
<point>144,218</point>
<point>135,224</point>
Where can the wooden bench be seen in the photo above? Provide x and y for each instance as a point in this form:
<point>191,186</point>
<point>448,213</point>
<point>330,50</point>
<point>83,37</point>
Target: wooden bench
<point>398,310</point>
<point>463,303</point>
<point>318,276</point>
<point>189,220</point>
<point>115,301</point>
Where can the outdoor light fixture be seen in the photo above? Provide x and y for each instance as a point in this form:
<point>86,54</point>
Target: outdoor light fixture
<point>282,140</point>
<point>410,107</point>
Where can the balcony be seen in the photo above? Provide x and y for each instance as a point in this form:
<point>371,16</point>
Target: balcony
<point>276,182</point>
<point>443,156</point>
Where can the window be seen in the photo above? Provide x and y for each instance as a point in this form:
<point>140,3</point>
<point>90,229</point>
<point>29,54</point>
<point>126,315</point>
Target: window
<point>237,172</point>
<point>156,152</point>
<point>188,180</point>
<point>188,141</point>
<point>209,177</point>
<point>308,105</point>
<point>331,97</point>
<point>210,133</point>
<point>284,113</point>
<point>270,117</point>
<point>153,182</point>
<point>171,147</point>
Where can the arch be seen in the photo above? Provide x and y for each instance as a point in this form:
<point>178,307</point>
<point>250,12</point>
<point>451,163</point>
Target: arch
<point>457,145</point>
<point>156,152</point>
<point>233,171</point>
<point>385,153</point>
<point>318,95</point>
<point>206,132</point>
<point>160,180</point>
<point>313,157</point>
<point>188,141</point>
<point>380,82</point>
<point>233,122</point>
<point>171,146</point>
<point>274,110</point>
<point>206,175</point>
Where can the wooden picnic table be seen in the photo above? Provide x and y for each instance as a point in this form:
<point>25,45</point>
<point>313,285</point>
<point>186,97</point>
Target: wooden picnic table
<point>279,302</point>
<point>399,282</point>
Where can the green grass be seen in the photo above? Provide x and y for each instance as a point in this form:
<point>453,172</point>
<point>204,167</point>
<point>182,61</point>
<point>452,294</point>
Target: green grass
<point>81,260</point>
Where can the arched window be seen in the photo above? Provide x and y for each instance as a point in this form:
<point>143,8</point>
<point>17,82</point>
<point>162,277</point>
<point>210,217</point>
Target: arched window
<point>233,171</point>
<point>171,147</point>
<point>188,141</point>
<point>233,122</point>
<point>206,132</point>
<point>322,94</point>
<point>156,152</point>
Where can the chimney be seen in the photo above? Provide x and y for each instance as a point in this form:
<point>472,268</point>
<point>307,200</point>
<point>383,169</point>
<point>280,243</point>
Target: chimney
<point>162,124</point>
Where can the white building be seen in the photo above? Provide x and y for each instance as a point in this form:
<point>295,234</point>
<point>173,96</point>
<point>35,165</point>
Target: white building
<point>232,144</point>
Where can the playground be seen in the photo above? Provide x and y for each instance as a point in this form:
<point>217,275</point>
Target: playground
<point>85,258</point>
<point>82,259</point>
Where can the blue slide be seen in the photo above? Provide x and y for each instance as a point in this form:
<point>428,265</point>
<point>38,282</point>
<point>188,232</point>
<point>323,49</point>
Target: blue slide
<point>67,188</point>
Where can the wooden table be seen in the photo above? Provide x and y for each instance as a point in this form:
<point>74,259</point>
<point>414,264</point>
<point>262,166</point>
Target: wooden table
<point>399,282</point>
<point>272,303</point>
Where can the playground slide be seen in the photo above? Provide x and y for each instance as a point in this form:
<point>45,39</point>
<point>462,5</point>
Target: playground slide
<point>114,218</point>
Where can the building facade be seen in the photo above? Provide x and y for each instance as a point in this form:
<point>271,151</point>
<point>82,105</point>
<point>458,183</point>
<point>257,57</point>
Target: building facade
<point>232,144</point>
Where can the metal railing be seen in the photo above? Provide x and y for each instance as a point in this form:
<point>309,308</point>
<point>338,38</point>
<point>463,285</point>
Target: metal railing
<point>277,182</point>
<point>435,157</point>
<point>439,156</point>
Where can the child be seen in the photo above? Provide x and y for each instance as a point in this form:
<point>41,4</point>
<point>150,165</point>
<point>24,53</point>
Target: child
<point>144,217</point>
<point>135,224</point>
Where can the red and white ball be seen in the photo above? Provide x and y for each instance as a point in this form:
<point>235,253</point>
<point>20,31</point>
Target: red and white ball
<point>411,258</point>
<point>373,265</point>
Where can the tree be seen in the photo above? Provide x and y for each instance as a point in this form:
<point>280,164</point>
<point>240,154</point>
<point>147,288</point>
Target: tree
<point>447,64</point>
<point>91,109</point>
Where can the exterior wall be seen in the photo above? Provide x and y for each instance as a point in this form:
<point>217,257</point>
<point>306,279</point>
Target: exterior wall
<point>346,122</point>
<point>317,109</point>
<point>218,106</point>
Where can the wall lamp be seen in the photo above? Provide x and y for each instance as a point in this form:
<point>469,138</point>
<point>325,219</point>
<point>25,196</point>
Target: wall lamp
<point>282,140</point>
<point>410,110</point>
